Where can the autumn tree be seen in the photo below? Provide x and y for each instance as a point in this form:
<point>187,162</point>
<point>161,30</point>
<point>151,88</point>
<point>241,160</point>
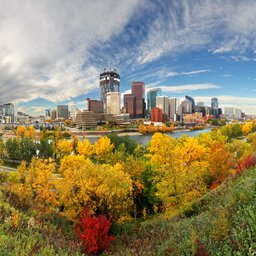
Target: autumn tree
<point>85,148</point>
<point>247,128</point>
<point>104,189</point>
<point>103,148</point>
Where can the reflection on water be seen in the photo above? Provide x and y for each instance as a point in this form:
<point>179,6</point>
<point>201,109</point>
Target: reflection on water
<point>145,139</point>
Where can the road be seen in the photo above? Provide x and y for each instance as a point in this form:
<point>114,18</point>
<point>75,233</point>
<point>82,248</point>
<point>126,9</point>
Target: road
<point>7,169</point>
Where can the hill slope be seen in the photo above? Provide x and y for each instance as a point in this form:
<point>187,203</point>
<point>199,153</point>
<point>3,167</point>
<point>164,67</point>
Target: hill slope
<point>223,222</point>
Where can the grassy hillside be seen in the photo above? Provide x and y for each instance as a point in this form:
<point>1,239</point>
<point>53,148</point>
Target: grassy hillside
<point>221,223</point>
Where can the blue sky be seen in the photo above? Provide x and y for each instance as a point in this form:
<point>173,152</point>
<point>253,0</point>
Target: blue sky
<point>52,52</point>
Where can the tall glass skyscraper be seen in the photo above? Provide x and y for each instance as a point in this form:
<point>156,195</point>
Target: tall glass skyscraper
<point>215,106</point>
<point>151,98</point>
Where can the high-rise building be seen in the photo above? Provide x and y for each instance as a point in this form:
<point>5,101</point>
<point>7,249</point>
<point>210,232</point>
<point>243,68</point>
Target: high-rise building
<point>156,115</point>
<point>187,106</point>
<point>215,106</point>
<point>53,114</point>
<point>138,89</point>
<point>188,98</point>
<point>130,105</point>
<point>95,105</point>
<point>151,98</point>
<point>162,102</point>
<point>8,112</point>
<point>62,112</point>
<point>109,82</point>
<point>113,103</point>
<point>47,113</point>
<point>174,104</point>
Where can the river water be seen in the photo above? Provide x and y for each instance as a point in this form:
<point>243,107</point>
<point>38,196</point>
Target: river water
<point>145,139</point>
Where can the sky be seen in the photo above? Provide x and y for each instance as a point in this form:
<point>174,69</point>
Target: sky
<point>52,52</point>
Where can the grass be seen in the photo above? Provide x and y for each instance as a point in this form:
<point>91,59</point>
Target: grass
<point>223,222</point>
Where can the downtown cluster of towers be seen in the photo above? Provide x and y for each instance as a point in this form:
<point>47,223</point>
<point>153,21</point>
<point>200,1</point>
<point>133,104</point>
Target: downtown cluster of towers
<point>159,107</point>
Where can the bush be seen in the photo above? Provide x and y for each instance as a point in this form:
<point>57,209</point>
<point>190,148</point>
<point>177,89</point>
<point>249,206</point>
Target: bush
<point>93,232</point>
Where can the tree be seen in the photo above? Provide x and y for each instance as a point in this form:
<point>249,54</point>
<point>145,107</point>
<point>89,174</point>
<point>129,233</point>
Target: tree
<point>103,148</point>
<point>13,149</point>
<point>104,189</point>
<point>27,148</point>
<point>44,148</point>
<point>64,147</point>
<point>85,148</point>
<point>247,128</point>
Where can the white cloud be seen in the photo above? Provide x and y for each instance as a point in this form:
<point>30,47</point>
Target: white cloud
<point>185,25</point>
<point>45,46</point>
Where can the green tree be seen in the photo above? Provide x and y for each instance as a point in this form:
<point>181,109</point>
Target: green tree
<point>45,149</point>
<point>27,148</point>
<point>13,149</point>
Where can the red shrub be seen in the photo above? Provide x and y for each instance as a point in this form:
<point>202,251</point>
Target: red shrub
<point>250,161</point>
<point>93,232</point>
<point>200,249</point>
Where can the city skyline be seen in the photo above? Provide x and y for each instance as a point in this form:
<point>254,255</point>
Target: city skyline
<point>202,49</point>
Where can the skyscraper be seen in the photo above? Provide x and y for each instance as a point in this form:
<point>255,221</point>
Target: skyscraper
<point>109,82</point>
<point>162,102</point>
<point>188,98</point>
<point>138,89</point>
<point>174,104</point>
<point>130,104</point>
<point>151,98</point>
<point>62,111</point>
<point>113,103</point>
<point>215,106</point>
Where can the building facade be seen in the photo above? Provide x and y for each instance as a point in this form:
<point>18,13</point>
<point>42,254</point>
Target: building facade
<point>138,89</point>
<point>188,98</point>
<point>215,106</point>
<point>62,112</point>
<point>113,103</point>
<point>109,82</point>
<point>156,115</point>
<point>130,105</point>
<point>95,105</point>
<point>86,119</point>
<point>151,98</point>
<point>174,104</point>
<point>162,102</point>
<point>187,107</point>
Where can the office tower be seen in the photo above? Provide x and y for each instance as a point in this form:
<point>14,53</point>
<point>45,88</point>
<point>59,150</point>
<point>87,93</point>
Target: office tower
<point>151,98</point>
<point>130,104</point>
<point>188,98</point>
<point>53,114</point>
<point>47,112</point>
<point>215,107</point>
<point>208,111</point>
<point>174,104</point>
<point>62,111</point>
<point>95,105</point>
<point>156,115</point>
<point>9,112</point>
<point>109,82</point>
<point>187,106</point>
<point>237,113</point>
<point>200,109</point>
<point>138,89</point>
<point>113,103</point>
<point>162,102</point>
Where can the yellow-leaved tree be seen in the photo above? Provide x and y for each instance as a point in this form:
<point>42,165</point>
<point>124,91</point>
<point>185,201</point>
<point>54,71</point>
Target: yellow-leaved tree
<point>247,128</point>
<point>103,188</point>
<point>85,148</point>
<point>181,166</point>
<point>103,148</point>
<point>63,147</point>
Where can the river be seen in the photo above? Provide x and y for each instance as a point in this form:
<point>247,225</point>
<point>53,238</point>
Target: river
<point>145,139</point>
